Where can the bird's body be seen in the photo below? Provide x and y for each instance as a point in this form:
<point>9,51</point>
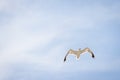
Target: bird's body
<point>78,52</point>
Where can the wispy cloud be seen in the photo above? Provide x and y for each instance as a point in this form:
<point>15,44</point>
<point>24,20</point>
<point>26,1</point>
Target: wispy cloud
<point>38,37</point>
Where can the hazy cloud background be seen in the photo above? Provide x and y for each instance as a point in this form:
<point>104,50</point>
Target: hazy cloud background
<point>35,35</point>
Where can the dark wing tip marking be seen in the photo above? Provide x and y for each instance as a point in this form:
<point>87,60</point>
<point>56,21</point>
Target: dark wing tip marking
<point>93,56</point>
<point>64,59</point>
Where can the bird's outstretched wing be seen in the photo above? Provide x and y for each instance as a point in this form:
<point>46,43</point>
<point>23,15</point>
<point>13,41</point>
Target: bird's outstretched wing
<point>69,52</point>
<point>88,50</point>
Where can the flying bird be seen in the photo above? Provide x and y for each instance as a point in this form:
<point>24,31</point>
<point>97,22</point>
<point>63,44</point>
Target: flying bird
<point>78,52</point>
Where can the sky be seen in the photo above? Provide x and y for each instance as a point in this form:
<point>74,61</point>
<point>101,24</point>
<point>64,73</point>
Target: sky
<point>35,35</point>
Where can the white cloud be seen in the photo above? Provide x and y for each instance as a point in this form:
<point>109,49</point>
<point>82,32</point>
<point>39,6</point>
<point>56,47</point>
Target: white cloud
<point>3,4</point>
<point>32,28</point>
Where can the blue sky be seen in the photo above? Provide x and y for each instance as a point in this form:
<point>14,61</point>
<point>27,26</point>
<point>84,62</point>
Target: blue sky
<point>35,35</point>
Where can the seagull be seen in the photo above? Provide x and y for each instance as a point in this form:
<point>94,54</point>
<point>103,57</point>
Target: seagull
<point>77,53</point>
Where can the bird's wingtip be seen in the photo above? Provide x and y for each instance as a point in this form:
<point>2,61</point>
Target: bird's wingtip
<point>64,59</point>
<point>93,56</point>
